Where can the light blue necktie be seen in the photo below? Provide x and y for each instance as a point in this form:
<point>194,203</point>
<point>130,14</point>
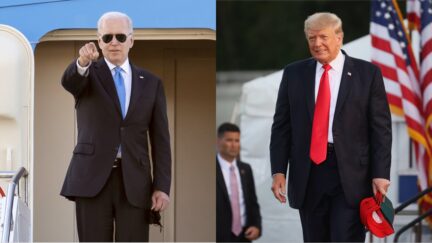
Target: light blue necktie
<point>121,91</point>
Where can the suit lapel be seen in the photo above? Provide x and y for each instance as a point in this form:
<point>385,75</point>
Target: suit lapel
<point>221,181</point>
<point>136,90</point>
<point>309,74</point>
<point>242,172</point>
<point>107,81</point>
<point>348,73</point>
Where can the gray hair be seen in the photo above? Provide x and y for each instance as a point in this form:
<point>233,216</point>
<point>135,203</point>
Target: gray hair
<point>319,21</point>
<point>114,15</point>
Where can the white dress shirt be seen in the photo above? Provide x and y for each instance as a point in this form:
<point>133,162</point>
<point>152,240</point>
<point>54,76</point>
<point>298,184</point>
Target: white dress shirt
<point>335,76</point>
<point>126,74</point>
<point>225,167</point>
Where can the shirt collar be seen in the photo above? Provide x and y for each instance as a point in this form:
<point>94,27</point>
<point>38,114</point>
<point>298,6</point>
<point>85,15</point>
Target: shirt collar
<point>225,165</point>
<point>337,64</point>
<point>125,66</point>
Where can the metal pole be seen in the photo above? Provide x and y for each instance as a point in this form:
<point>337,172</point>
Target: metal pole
<point>410,224</point>
<point>8,212</point>
<point>7,223</point>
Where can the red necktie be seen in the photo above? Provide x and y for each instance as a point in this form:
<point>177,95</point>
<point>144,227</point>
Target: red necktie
<point>318,147</point>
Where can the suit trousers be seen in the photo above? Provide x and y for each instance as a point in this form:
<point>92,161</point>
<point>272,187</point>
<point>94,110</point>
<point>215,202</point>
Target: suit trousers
<point>109,215</point>
<point>325,215</point>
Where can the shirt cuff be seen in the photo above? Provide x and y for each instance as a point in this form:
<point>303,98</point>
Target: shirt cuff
<point>278,174</point>
<point>83,71</point>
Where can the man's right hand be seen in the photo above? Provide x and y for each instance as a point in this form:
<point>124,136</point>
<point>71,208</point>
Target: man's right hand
<point>87,54</point>
<point>278,187</point>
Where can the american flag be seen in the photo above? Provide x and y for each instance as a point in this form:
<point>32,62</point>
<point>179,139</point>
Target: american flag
<point>413,14</point>
<point>421,19</point>
<point>392,52</point>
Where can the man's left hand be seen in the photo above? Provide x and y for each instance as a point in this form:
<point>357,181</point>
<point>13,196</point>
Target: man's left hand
<point>160,201</point>
<point>380,184</point>
<point>252,233</point>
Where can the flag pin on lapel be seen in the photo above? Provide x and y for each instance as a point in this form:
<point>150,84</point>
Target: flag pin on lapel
<point>349,74</point>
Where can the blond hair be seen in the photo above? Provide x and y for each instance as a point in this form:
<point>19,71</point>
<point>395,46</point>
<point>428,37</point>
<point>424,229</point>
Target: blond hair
<point>319,21</point>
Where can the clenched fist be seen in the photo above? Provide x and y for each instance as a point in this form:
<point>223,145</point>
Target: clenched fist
<point>87,54</point>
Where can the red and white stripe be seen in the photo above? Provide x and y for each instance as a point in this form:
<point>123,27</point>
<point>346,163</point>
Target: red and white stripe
<point>426,78</point>
<point>413,14</point>
<point>402,83</point>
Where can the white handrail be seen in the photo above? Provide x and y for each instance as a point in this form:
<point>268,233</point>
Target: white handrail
<point>7,223</point>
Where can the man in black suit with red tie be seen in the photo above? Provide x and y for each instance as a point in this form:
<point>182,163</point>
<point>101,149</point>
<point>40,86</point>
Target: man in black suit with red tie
<point>238,217</point>
<point>120,107</point>
<point>332,126</point>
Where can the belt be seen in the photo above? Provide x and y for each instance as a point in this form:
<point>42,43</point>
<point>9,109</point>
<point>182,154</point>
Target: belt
<point>330,147</point>
<point>117,162</point>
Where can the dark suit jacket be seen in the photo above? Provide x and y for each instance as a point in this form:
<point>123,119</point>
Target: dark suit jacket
<point>361,129</point>
<point>223,205</point>
<point>101,129</point>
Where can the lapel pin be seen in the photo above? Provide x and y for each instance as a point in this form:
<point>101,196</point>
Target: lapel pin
<point>349,74</point>
<point>141,77</point>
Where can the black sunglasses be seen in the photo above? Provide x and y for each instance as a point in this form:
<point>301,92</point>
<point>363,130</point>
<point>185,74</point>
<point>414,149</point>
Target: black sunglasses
<point>107,38</point>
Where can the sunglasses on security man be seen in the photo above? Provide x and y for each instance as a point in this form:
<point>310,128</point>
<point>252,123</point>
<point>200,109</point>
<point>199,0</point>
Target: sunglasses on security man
<point>107,38</point>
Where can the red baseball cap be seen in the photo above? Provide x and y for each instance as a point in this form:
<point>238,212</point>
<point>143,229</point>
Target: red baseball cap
<point>377,214</point>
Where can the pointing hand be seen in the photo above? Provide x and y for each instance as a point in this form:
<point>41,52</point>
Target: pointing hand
<point>87,54</point>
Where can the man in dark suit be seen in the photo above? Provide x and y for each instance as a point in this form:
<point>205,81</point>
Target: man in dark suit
<point>238,217</point>
<point>119,107</point>
<point>332,125</point>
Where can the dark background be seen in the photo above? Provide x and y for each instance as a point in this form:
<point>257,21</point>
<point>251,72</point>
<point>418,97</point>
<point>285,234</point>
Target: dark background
<point>267,35</point>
